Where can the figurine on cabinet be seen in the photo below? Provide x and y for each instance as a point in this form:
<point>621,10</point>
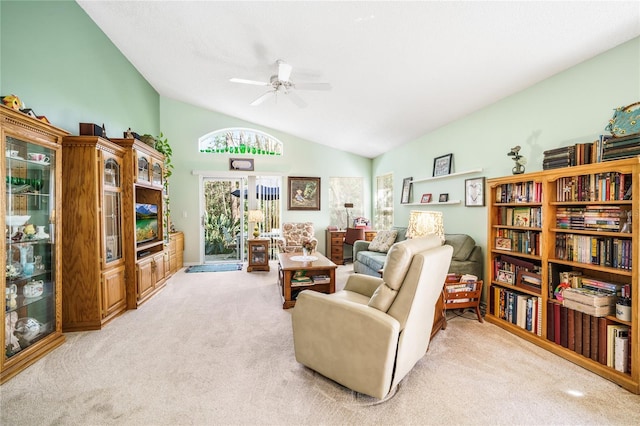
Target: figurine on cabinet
<point>11,341</point>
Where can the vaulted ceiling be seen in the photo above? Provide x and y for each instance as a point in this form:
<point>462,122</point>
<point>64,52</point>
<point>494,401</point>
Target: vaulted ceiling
<point>398,70</point>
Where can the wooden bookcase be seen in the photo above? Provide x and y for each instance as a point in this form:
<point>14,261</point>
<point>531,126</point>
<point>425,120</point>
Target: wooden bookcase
<point>525,257</point>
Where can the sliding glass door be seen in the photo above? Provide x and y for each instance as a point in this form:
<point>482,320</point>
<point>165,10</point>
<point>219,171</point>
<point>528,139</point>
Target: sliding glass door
<point>223,226</point>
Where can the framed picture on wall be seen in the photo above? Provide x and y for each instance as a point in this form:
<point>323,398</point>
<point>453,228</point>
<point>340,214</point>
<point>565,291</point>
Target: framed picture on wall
<point>442,165</point>
<point>443,198</point>
<point>406,190</point>
<point>474,192</point>
<point>426,198</point>
<point>304,193</point>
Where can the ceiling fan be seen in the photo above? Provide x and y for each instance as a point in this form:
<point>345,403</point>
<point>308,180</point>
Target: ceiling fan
<point>281,83</point>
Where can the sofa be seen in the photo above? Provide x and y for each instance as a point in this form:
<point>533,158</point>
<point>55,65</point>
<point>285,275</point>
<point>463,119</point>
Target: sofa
<point>467,256</point>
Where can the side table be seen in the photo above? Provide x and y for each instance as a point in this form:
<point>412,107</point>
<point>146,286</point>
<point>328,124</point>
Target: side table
<point>258,254</point>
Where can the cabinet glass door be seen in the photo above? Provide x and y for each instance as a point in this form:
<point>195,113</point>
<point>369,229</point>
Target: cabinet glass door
<point>30,250</point>
<point>112,211</point>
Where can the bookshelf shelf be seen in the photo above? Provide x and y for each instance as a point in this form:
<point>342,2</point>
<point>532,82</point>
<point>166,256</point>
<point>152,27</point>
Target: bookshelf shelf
<point>582,197</point>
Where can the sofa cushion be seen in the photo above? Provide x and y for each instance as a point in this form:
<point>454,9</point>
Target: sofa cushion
<point>372,259</point>
<point>383,241</point>
<point>462,245</point>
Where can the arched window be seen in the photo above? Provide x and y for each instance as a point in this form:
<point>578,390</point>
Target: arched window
<point>239,140</point>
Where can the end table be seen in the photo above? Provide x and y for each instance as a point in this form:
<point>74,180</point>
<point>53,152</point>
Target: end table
<point>258,249</point>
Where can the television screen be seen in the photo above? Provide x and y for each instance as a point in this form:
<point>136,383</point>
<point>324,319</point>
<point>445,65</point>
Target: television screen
<point>146,222</point>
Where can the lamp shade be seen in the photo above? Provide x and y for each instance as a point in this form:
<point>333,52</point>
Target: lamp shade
<point>423,223</point>
<point>256,216</point>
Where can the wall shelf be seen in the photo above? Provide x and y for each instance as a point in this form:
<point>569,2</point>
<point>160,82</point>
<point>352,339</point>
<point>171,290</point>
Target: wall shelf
<point>450,175</point>
<point>436,202</point>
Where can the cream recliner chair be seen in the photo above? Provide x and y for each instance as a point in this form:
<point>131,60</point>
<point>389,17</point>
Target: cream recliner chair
<point>368,336</point>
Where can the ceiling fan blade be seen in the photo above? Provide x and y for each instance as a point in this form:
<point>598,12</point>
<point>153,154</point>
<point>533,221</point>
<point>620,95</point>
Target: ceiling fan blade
<point>296,99</point>
<point>284,71</point>
<point>254,82</point>
<point>262,98</point>
<point>312,86</point>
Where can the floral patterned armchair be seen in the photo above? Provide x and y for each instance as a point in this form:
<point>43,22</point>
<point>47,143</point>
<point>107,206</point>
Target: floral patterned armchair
<point>293,235</point>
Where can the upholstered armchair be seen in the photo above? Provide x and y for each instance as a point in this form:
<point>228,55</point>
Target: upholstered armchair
<point>368,336</point>
<point>293,235</point>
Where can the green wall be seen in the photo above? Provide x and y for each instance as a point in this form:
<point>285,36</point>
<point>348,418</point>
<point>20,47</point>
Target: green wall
<point>60,64</point>
<point>570,107</point>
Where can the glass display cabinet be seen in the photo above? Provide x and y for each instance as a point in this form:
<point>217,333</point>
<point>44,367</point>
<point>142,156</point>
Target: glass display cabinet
<point>94,292</point>
<point>31,253</point>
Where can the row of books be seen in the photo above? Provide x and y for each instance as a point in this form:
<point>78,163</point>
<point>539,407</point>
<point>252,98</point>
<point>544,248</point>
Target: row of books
<point>598,338</point>
<point>521,216</point>
<point>520,309</point>
<point>610,186</point>
<point>620,147</point>
<point>572,155</point>
<point>603,251</point>
<point>519,192</point>
<point>300,279</point>
<point>597,218</point>
<point>519,241</point>
<point>605,148</point>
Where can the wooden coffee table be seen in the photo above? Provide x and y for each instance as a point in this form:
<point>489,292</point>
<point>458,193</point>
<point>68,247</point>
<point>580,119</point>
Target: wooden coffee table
<point>287,267</point>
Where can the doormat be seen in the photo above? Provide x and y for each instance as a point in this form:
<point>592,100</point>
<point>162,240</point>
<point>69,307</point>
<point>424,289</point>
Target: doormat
<point>221,267</point>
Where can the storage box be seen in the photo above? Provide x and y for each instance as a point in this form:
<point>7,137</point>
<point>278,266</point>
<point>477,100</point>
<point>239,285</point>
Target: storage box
<point>90,129</point>
<point>595,311</point>
<point>589,297</point>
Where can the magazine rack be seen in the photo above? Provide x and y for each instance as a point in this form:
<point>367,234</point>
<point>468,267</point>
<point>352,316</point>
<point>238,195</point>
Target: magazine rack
<point>457,296</point>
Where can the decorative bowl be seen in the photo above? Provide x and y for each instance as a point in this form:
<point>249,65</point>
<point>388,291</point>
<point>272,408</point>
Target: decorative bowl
<point>17,220</point>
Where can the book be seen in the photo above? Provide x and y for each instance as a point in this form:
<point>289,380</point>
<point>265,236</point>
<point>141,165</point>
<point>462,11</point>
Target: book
<point>571,331</point>
<point>577,322</point>
<point>564,329</point>
<point>594,338</point>
<point>586,335</point>
<point>550,322</point>
<point>621,350</point>
<point>602,340</point>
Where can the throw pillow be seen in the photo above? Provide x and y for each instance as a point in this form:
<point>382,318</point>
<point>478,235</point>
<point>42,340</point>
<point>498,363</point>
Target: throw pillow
<point>383,241</point>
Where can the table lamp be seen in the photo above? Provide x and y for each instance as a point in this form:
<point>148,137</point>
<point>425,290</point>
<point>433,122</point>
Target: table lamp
<point>256,217</point>
<point>423,223</point>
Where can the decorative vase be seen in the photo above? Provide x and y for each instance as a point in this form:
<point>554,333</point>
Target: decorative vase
<point>305,252</point>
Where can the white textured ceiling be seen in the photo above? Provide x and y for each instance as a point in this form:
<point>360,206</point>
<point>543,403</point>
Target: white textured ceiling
<point>398,70</point>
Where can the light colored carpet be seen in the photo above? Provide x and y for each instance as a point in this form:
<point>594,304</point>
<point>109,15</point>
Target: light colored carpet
<point>216,348</point>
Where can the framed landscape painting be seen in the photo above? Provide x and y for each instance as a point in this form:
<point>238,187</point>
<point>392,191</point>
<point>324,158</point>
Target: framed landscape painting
<point>304,193</point>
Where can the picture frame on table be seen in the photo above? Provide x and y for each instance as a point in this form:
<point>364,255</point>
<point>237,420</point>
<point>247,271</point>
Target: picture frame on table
<point>304,193</point>
<point>442,165</point>
<point>474,192</point>
<point>426,198</point>
<point>406,190</point>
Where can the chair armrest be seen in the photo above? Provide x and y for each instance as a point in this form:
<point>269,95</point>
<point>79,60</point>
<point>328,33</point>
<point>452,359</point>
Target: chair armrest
<point>360,245</point>
<point>281,243</point>
<point>363,284</point>
<point>345,341</point>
